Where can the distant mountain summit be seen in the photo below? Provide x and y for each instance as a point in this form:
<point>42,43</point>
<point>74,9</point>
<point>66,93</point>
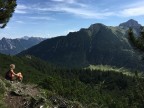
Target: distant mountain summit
<point>14,46</point>
<point>25,37</point>
<point>34,38</point>
<point>133,24</point>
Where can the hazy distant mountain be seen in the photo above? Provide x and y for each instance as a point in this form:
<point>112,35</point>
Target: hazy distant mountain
<point>25,37</point>
<point>14,46</point>
<point>133,24</point>
<point>98,44</point>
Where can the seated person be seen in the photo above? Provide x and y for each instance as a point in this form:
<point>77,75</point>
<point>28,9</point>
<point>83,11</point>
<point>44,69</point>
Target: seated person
<point>11,75</point>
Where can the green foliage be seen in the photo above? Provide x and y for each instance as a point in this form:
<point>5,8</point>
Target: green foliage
<point>131,36</point>
<point>2,87</point>
<point>33,69</point>
<point>109,89</point>
<point>136,42</point>
<point>7,8</point>
<point>2,91</point>
<point>92,88</point>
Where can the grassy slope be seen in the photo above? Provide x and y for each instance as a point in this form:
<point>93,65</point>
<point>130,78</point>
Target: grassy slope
<point>114,69</point>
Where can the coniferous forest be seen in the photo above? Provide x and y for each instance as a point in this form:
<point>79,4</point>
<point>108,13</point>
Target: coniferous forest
<point>89,87</point>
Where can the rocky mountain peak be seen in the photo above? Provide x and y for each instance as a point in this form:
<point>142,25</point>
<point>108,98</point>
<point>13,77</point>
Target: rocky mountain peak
<point>3,38</point>
<point>97,27</point>
<point>131,23</point>
<point>25,37</point>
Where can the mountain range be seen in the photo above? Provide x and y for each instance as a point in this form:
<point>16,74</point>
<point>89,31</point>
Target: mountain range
<point>14,46</point>
<point>98,44</point>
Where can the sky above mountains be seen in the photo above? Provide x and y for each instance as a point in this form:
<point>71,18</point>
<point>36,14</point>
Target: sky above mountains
<point>49,18</point>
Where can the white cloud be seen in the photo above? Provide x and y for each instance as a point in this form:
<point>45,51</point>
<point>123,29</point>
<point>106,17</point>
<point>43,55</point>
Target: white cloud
<point>70,2</point>
<point>41,18</point>
<point>46,9</point>
<point>73,7</point>
<point>135,4</point>
<point>133,9</point>
<point>20,22</point>
<point>58,0</point>
<point>81,11</point>
<point>136,11</point>
<point>86,13</point>
<point>66,1</point>
<point>7,27</point>
<point>21,9</point>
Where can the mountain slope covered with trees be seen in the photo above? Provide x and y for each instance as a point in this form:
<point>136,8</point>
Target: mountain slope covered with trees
<point>98,44</point>
<point>90,88</point>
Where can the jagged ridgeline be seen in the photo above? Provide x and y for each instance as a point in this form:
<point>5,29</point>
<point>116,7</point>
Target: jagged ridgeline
<point>82,88</point>
<point>15,46</point>
<point>7,8</point>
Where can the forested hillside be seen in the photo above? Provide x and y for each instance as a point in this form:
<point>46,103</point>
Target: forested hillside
<point>91,88</point>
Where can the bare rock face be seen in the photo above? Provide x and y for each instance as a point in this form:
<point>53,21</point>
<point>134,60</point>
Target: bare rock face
<point>19,95</point>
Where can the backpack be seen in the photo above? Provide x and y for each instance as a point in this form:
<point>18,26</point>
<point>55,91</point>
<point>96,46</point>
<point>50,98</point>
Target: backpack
<point>7,75</point>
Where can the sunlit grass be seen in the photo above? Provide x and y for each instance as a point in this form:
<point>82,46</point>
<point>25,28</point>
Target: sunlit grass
<point>105,68</point>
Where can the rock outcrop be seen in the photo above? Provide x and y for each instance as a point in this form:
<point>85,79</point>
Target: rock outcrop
<point>19,95</point>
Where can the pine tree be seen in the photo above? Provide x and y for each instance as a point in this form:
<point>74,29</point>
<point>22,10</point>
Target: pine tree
<point>7,8</point>
<point>136,42</point>
<point>142,33</point>
<point>131,36</point>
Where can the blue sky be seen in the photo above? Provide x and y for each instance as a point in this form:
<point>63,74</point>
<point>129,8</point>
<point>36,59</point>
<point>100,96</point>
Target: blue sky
<point>50,18</point>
